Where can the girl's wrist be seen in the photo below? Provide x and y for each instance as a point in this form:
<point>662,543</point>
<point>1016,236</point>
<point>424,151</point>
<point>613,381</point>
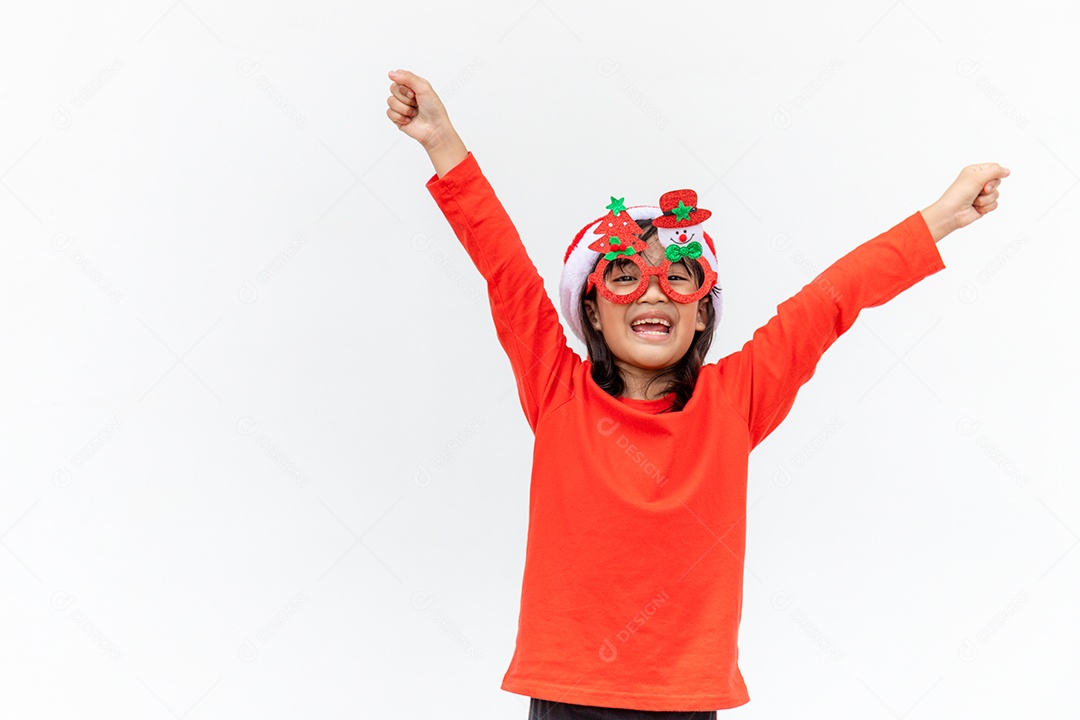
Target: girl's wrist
<point>446,151</point>
<point>937,221</point>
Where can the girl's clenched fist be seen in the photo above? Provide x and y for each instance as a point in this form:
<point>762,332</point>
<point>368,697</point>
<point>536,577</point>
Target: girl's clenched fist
<point>417,111</point>
<point>973,194</point>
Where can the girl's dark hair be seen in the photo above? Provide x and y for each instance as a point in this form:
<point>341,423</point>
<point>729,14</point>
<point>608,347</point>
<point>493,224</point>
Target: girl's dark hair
<point>680,377</point>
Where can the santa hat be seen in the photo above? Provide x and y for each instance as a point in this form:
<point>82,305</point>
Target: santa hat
<point>676,219</point>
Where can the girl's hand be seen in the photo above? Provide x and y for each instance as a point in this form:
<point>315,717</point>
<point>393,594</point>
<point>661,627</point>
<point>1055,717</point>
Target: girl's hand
<point>417,110</point>
<point>972,195</point>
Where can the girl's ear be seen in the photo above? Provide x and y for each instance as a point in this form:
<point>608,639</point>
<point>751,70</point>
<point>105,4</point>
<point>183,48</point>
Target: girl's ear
<point>594,316</point>
<point>702,314</point>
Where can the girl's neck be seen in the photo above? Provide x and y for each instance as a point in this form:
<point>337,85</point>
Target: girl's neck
<point>634,381</point>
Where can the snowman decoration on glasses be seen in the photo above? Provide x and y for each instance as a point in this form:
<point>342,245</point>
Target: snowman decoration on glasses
<point>680,232</point>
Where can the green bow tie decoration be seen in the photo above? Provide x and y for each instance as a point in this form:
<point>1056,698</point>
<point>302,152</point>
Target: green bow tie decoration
<point>675,253</point>
<point>616,242</point>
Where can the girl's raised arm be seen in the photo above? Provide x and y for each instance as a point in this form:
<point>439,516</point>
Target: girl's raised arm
<point>762,378</point>
<point>526,321</point>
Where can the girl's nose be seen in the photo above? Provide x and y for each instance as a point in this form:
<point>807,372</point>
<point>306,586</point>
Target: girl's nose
<point>654,282</point>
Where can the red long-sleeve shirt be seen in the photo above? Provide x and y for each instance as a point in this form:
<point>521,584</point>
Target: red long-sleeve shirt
<point>633,580</point>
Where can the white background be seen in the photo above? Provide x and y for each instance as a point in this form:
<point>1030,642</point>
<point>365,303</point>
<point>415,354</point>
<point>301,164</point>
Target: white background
<point>262,454</point>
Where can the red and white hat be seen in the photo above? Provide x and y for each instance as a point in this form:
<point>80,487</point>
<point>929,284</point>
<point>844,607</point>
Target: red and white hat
<point>678,222</point>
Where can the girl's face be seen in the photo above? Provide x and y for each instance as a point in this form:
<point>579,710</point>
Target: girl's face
<point>649,346</point>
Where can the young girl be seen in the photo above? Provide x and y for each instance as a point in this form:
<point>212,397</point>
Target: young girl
<point>632,591</point>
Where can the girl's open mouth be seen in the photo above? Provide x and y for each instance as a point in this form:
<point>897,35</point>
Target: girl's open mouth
<point>651,330</point>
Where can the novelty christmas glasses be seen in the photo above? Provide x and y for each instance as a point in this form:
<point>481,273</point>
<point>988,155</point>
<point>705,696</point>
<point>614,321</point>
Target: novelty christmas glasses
<point>629,277</point>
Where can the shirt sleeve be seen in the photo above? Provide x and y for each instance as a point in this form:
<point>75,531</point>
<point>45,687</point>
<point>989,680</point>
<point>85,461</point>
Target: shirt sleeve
<point>762,378</point>
<point>526,322</point>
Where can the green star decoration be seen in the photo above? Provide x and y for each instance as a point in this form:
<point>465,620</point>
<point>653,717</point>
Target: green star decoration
<point>682,211</point>
<point>616,206</point>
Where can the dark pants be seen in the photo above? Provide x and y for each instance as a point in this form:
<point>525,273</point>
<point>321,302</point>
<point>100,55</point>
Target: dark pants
<point>551,710</point>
